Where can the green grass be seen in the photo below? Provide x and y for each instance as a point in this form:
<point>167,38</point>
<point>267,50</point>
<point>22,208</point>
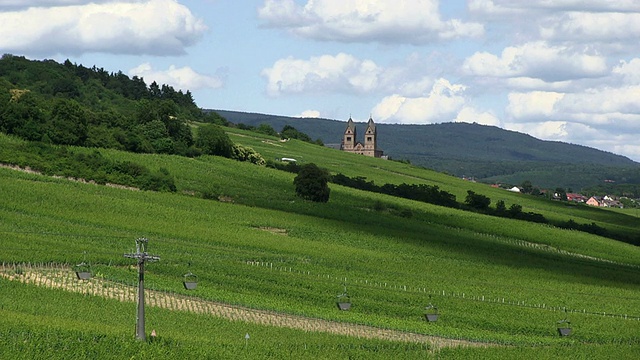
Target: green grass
<point>494,280</point>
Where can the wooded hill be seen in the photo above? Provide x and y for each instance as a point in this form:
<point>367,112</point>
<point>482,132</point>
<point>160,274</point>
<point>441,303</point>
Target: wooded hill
<point>485,153</point>
<point>70,104</point>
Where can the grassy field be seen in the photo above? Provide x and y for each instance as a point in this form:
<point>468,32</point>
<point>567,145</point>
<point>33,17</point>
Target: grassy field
<point>498,282</point>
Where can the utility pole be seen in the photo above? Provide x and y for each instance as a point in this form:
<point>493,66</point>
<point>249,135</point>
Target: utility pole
<point>141,255</point>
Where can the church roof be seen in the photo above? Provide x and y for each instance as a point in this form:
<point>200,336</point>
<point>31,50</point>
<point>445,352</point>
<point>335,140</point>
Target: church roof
<point>371,125</point>
<point>351,125</point>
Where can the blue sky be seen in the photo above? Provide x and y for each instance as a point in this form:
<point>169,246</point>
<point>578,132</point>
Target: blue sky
<point>562,70</point>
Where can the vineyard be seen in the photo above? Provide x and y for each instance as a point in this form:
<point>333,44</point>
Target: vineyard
<point>271,266</point>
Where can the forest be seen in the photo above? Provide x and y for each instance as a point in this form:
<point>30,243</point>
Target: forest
<point>70,104</point>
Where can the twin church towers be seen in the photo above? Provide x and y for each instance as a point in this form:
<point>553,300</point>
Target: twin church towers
<point>370,145</point>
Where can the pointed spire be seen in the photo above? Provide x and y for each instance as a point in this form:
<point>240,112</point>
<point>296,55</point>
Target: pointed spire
<point>371,125</point>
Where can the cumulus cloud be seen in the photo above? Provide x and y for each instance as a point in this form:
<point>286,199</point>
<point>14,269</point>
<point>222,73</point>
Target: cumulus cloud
<point>592,27</point>
<point>309,114</point>
<point>183,78</point>
<point>605,118</point>
<point>384,21</point>
<point>602,25</point>
<point>347,74</point>
<point>627,72</point>
<point>470,115</point>
<point>598,107</point>
<point>572,132</point>
<point>502,7</point>
<point>536,60</point>
<point>24,4</point>
<point>324,73</point>
<point>441,104</point>
<point>155,27</point>
<point>535,105</point>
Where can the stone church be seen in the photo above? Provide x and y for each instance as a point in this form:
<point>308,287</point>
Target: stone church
<point>370,145</point>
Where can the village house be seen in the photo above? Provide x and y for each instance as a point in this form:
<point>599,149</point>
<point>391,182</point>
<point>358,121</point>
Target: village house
<point>576,197</point>
<point>605,201</point>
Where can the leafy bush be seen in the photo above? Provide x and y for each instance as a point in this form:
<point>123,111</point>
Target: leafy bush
<point>243,153</point>
<point>311,183</point>
<point>213,140</point>
<point>477,201</point>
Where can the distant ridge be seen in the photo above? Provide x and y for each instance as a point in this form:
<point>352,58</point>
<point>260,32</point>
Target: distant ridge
<point>487,153</point>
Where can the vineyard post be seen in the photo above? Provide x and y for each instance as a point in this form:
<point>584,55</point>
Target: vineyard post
<point>141,255</point>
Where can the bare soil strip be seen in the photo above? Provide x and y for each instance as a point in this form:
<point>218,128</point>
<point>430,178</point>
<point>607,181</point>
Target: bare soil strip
<point>60,278</point>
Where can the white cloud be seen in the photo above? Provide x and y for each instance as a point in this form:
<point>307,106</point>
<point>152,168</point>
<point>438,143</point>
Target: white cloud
<point>442,104</point>
<point>309,114</point>
<point>156,27</point>
<point>510,7</point>
<point>577,133</point>
<point>346,73</point>
<point>471,115</point>
<point>628,72</point>
<point>592,27</point>
<point>385,21</point>
<point>183,78</point>
<point>535,105</point>
<point>548,130</point>
<point>324,73</point>
<point>592,117</point>
<point>49,3</point>
<point>536,60</point>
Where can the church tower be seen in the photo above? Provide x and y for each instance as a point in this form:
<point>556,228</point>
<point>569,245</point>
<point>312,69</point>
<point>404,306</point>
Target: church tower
<point>370,145</point>
<point>370,141</point>
<point>349,137</point>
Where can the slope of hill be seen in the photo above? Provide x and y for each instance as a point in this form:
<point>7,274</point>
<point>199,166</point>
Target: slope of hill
<point>501,286</point>
<point>495,281</point>
<point>485,153</point>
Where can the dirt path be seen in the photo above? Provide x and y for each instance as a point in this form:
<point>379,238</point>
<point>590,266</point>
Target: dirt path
<point>61,278</point>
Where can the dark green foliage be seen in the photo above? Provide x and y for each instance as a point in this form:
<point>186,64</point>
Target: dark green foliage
<point>421,192</point>
<point>68,123</point>
<point>526,187</point>
<point>477,201</point>
<point>561,194</point>
<point>288,166</point>
<point>62,161</point>
<point>515,210</point>
<point>266,129</point>
<point>242,153</point>
<point>70,104</point>
<point>312,183</point>
<point>289,132</point>
<point>592,228</point>
<point>213,117</point>
<point>213,140</point>
<point>24,117</point>
<point>433,195</point>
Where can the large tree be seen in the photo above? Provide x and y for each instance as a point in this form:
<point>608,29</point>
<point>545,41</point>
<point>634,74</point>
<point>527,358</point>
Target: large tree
<point>213,140</point>
<point>68,123</point>
<point>312,183</point>
<point>477,201</point>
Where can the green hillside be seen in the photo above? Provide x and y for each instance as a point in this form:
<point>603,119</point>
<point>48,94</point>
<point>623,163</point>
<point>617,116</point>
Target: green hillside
<point>91,161</point>
<point>500,285</point>
<point>486,153</point>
